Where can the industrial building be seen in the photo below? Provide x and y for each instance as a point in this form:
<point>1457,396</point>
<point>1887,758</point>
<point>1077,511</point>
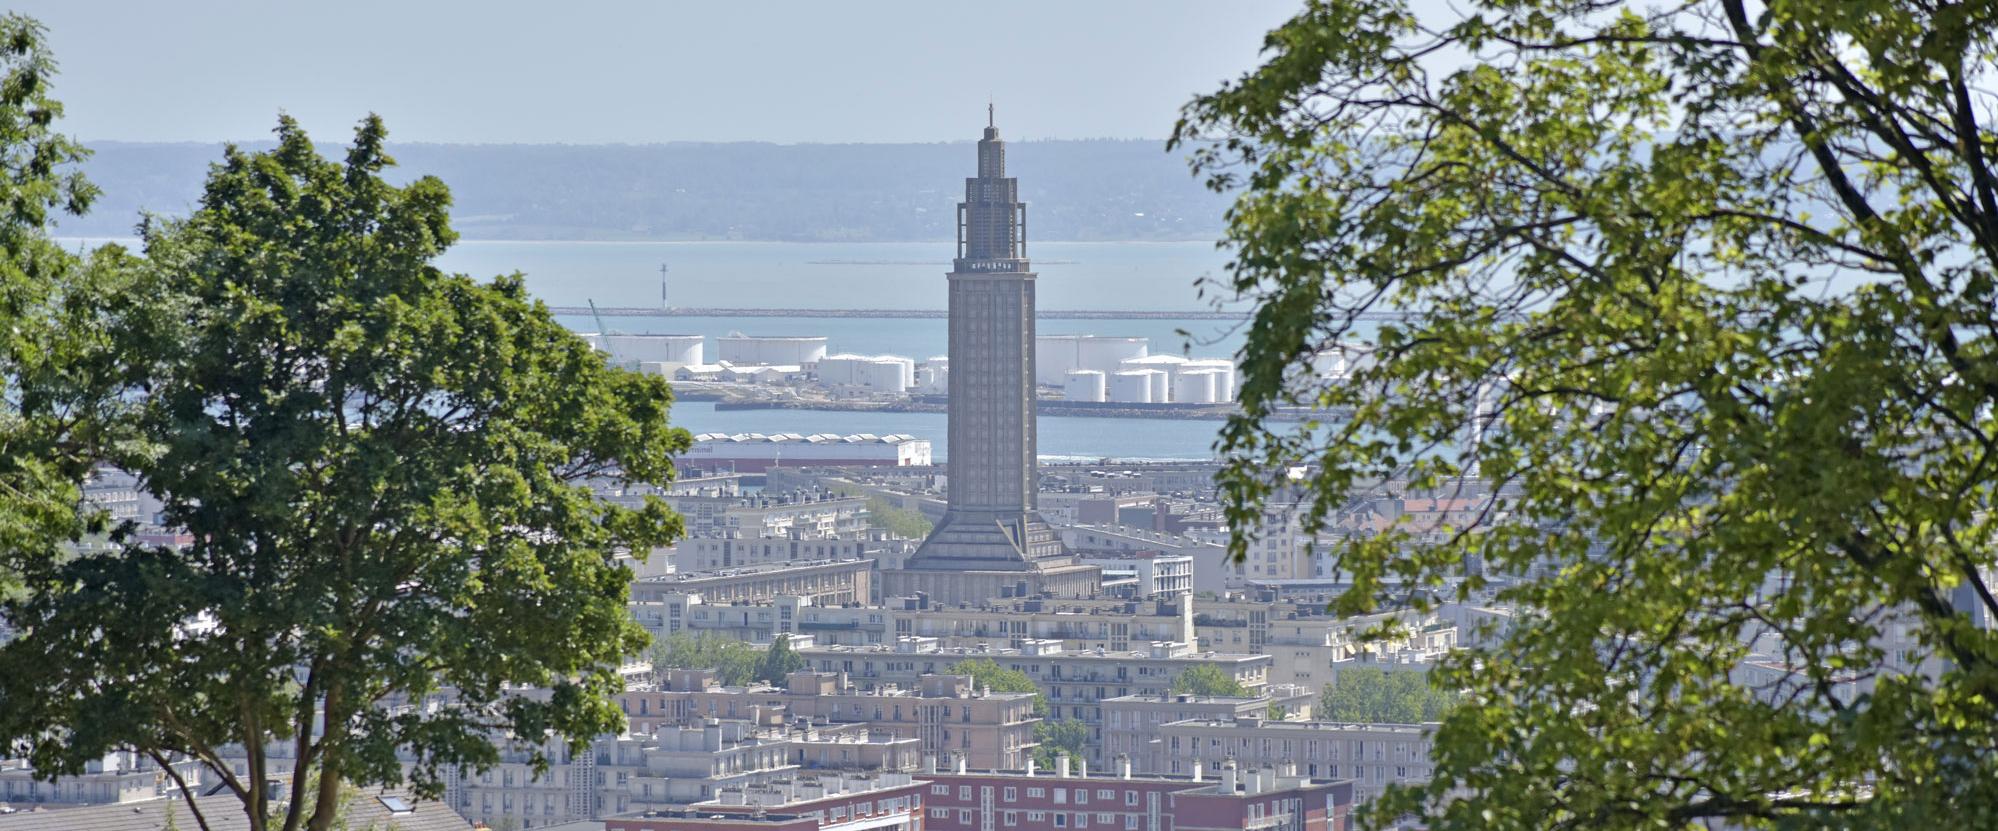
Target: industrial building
<point>1138,386</point>
<point>757,452</point>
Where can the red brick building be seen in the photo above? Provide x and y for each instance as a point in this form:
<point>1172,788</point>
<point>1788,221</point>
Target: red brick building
<point>1256,800</point>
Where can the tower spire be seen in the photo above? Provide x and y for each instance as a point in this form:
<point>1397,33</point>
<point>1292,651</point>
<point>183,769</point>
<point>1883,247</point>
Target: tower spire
<point>989,121</point>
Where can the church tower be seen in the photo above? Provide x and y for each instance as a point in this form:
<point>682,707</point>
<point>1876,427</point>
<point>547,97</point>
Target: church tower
<point>991,538</point>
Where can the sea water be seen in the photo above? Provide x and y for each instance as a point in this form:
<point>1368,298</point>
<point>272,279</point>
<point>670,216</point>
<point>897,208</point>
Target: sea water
<point>1136,276</point>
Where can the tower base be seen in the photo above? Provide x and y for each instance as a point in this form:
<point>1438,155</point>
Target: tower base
<point>974,556</point>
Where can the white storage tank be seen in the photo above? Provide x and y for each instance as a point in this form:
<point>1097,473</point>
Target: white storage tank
<point>1085,385</point>
<point>738,348</point>
<point>1105,353</point>
<point>887,373</point>
<point>1196,386</point>
<point>676,350</point>
<point>1224,386</point>
<point>933,376</point>
<point>1054,357</point>
<point>1135,386</point>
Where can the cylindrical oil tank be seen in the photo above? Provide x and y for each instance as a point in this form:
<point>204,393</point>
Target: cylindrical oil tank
<point>1104,353</point>
<point>1133,386</point>
<point>1085,385</point>
<point>1054,357</point>
<point>1195,386</point>
<point>1224,386</point>
<point>740,349</point>
<point>680,350</point>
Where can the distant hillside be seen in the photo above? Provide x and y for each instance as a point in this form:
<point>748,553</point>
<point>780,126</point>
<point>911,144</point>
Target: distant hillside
<point>1077,190</point>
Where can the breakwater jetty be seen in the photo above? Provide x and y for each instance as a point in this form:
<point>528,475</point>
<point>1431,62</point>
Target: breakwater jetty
<point>920,314</point>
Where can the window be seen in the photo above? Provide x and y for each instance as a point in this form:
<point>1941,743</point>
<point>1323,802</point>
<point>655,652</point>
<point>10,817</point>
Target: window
<point>1012,793</point>
<point>940,790</point>
<point>1105,819</point>
<point>1082,820</point>
<point>1036,816</point>
<point>964,793</point>
<point>1082,796</point>
<point>964,816</point>
<point>1012,817</point>
<point>1130,797</point>
<point>1130,822</point>
<point>1061,820</point>
<point>1037,793</point>
<point>939,813</point>
<point>1061,796</point>
<point>1106,794</point>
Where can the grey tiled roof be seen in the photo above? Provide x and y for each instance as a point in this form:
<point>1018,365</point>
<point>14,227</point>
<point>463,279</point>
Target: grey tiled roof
<point>364,812</point>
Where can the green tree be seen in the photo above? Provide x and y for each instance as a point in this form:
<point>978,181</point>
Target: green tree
<point>55,391</point>
<point>734,663</point>
<point>901,522</point>
<point>1060,737</point>
<point>1206,679</point>
<point>384,471</point>
<point>779,661</point>
<point>1371,695</point>
<point>1704,293</point>
<point>987,673</point>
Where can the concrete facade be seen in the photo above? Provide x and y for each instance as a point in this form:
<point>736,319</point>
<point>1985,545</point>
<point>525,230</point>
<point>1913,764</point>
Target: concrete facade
<point>991,540</point>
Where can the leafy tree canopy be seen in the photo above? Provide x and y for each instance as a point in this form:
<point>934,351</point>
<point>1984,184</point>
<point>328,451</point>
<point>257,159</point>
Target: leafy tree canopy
<point>1705,293</point>
<point>1206,679</point>
<point>383,470</point>
<point>734,663</point>
<point>986,672</point>
<point>1060,737</point>
<point>1371,695</point>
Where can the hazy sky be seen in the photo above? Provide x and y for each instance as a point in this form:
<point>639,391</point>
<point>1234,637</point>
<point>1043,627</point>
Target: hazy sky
<point>639,71</point>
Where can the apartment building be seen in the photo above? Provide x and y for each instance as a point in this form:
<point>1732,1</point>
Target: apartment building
<point>1131,723</point>
<point>943,714</point>
<point>873,802</point>
<point>1372,756</point>
<point>1074,800</point>
<point>823,582</point>
<point>1074,682</point>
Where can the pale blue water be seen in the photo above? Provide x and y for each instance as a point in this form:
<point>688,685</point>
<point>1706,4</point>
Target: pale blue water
<point>1077,275</point>
<point>1062,438</point>
<point>1148,276</point>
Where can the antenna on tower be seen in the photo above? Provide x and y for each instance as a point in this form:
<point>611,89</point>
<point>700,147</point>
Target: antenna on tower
<point>989,120</point>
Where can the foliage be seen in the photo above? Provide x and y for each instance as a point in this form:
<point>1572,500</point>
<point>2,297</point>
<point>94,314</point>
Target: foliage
<point>987,673</point>
<point>1704,292</point>
<point>734,663</point>
<point>54,391</point>
<point>384,473</point>
<point>900,521</point>
<point>1209,680</point>
<point>779,661</point>
<point>1370,695</point>
<point>1060,737</point>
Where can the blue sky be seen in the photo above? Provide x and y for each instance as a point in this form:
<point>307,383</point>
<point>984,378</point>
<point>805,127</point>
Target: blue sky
<point>595,71</point>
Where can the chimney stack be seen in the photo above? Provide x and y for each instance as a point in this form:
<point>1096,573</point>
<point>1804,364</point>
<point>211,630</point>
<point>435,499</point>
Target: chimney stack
<point>1030,767</point>
<point>1124,765</point>
<point>1082,768</point>
<point>1061,766</point>
<point>1229,775</point>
